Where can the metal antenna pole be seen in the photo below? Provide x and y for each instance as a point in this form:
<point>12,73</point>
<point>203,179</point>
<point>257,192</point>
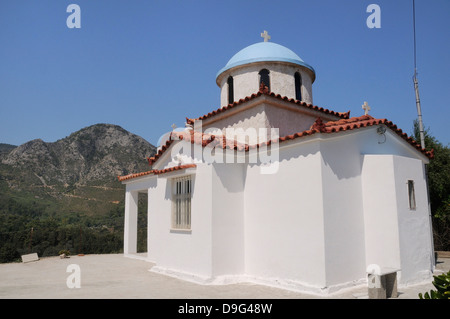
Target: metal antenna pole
<point>416,84</point>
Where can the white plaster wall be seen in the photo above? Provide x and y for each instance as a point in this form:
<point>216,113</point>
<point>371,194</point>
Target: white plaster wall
<point>254,117</point>
<point>265,114</point>
<point>343,211</point>
<point>307,95</point>
<point>288,121</point>
<point>179,251</point>
<point>159,210</point>
<point>283,82</point>
<point>133,188</point>
<point>284,233</point>
<point>370,142</point>
<point>326,214</point>
<point>246,81</point>
<point>380,211</point>
<point>130,222</point>
<point>393,236</point>
<point>416,251</point>
<point>139,184</point>
<point>228,219</point>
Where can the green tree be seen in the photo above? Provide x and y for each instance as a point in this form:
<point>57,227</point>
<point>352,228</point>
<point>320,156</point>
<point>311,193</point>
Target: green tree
<point>439,188</point>
<point>8,252</point>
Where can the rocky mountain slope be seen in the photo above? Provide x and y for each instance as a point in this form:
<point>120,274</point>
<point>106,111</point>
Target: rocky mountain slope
<point>76,173</point>
<point>6,148</point>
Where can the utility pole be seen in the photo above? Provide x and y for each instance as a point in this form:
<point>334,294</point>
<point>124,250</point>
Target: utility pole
<point>31,239</point>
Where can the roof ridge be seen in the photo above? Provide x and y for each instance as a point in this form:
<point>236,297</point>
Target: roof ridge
<point>264,90</point>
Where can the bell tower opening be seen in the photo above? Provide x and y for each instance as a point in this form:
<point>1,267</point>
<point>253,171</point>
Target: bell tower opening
<point>298,86</point>
<point>230,90</point>
<point>264,78</point>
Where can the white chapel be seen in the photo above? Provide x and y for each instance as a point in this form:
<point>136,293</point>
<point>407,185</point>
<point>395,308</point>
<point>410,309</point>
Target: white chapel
<point>270,188</point>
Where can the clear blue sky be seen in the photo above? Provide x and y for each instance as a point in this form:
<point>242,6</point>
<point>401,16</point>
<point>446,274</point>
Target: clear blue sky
<point>146,64</point>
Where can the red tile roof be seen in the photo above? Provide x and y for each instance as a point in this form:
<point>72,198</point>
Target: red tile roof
<point>344,124</point>
<point>263,90</point>
<point>199,139</point>
<point>155,172</point>
<point>364,121</point>
<point>192,136</point>
<point>318,127</point>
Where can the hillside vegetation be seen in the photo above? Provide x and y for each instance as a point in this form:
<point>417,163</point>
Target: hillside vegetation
<point>65,194</point>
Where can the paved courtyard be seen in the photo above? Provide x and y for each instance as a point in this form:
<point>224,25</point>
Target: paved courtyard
<point>116,277</point>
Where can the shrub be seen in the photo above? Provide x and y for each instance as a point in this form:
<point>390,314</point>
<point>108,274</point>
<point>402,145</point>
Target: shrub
<point>442,284</point>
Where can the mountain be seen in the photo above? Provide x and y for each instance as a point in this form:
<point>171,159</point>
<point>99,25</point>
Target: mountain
<point>76,173</point>
<point>6,148</point>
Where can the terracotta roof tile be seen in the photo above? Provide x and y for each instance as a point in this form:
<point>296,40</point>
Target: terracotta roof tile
<point>318,127</point>
<point>160,152</point>
<point>174,168</point>
<point>155,172</point>
<point>130,176</point>
<point>200,139</point>
<point>364,121</point>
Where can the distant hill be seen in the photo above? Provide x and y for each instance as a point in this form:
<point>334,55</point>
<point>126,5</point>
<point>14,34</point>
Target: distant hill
<point>6,148</point>
<point>75,174</point>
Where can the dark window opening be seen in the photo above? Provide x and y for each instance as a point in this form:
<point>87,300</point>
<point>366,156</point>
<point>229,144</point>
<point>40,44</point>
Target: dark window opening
<point>298,86</point>
<point>230,90</point>
<point>411,195</point>
<point>264,78</point>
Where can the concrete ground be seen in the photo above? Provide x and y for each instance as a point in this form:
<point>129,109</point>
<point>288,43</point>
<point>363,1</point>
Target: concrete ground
<point>116,277</point>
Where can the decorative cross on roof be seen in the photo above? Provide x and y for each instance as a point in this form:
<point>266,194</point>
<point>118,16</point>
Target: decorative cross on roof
<point>366,108</point>
<point>173,126</point>
<point>266,36</point>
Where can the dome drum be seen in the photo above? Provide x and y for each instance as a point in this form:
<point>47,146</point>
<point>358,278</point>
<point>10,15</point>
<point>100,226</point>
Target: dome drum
<point>287,74</point>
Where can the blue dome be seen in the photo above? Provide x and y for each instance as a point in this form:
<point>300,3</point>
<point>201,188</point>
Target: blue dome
<point>264,51</point>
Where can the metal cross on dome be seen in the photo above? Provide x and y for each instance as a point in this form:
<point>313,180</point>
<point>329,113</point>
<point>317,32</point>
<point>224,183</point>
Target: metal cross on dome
<point>366,108</point>
<point>266,36</point>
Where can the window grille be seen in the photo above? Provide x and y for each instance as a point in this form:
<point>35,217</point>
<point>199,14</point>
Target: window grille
<point>181,202</point>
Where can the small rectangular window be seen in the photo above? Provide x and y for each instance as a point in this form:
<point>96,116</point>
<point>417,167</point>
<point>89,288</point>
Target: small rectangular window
<point>181,202</point>
<point>298,86</point>
<point>230,90</point>
<point>411,195</point>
